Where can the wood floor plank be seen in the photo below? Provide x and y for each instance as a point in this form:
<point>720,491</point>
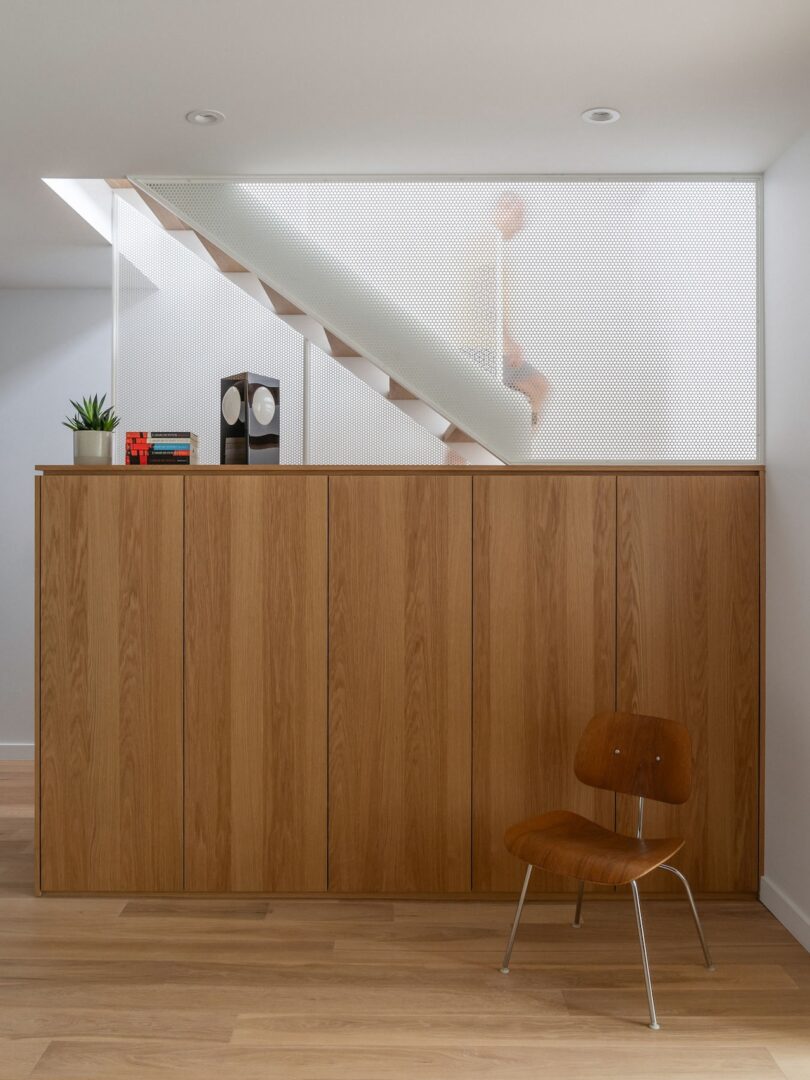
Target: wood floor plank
<point>794,1060</point>
<point>27,1022</point>
<point>19,1056</point>
<point>495,1029</point>
<point>672,1001</point>
<point>244,997</point>
<point>136,953</point>
<point>189,908</point>
<point>79,1061</point>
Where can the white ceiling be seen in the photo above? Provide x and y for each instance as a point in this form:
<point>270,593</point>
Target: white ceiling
<point>100,88</point>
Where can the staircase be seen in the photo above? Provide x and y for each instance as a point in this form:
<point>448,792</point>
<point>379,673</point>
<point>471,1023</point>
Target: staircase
<point>463,450</point>
<point>480,420</point>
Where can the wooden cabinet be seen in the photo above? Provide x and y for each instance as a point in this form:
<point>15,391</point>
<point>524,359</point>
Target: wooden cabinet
<point>688,605</point>
<point>544,655</point>
<point>111,683</point>
<point>399,683</point>
<point>255,678</point>
<point>310,680</point>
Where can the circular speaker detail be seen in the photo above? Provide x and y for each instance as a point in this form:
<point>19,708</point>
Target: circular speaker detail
<point>263,405</point>
<point>232,405</point>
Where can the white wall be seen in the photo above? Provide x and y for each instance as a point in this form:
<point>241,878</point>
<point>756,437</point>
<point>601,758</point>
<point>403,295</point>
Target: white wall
<point>54,345</point>
<point>786,885</point>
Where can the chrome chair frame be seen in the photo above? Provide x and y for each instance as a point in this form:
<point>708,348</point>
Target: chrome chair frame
<point>577,923</point>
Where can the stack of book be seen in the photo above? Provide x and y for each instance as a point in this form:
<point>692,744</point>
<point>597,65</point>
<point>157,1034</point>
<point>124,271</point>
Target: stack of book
<point>161,448</point>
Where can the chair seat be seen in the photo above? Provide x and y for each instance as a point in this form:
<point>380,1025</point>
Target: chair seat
<point>569,844</point>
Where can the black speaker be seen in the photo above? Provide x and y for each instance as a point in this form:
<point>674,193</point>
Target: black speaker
<point>249,420</point>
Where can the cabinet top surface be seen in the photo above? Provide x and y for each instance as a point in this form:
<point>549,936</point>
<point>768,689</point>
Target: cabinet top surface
<point>359,470</point>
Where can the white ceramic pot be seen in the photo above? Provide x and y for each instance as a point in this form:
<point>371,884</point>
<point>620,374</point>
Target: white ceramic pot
<point>92,447</point>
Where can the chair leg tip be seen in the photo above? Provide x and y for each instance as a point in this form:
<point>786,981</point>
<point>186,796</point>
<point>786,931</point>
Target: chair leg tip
<point>711,967</point>
<point>654,1027</point>
<point>577,925</point>
<point>504,970</point>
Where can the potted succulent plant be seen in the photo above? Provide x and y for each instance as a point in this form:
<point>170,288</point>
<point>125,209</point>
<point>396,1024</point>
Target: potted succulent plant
<point>92,427</point>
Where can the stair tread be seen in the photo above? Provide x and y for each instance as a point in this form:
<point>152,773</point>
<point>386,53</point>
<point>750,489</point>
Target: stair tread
<point>281,305</point>
<point>224,262</point>
<point>339,347</point>
<point>454,434</point>
<point>399,393</point>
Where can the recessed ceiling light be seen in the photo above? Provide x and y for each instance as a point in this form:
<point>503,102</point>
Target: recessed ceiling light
<point>205,117</point>
<point>601,115</point>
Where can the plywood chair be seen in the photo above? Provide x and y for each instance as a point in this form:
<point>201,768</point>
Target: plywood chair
<point>645,756</point>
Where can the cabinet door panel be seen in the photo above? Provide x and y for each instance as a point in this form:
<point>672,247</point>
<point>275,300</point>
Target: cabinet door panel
<point>111,626</point>
<point>688,595</point>
<point>400,613</point>
<point>255,683</point>
<point>544,655</point>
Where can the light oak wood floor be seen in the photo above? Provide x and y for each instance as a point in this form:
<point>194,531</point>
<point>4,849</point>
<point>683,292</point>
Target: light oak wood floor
<point>321,989</point>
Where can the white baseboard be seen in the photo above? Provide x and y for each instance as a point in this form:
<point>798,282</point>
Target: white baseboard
<point>16,751</point>
<point>789,914</point>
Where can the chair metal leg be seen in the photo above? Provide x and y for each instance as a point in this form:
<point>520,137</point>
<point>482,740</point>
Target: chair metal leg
<point>508,954</point>
<point>647,980</point>
<point>707,955</point>
<point>578,913</point>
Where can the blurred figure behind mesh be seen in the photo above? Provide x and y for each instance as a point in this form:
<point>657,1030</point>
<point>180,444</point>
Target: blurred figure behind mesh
<point>483,316</point>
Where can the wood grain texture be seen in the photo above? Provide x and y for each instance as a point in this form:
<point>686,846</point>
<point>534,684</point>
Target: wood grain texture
<point>762,676</point>
<point>111,683</point>
<point>37,678</point>
<point>256,590</point>
<point>690,556</point>
<point>647,756</point>
<point>569,844</point>
<point>400,625</point>
<point>544,660</point>
<point>688,601</point>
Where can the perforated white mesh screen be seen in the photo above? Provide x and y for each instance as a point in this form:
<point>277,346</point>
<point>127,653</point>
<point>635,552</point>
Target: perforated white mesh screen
<point>349,423</point>
<point>636,300</point>
<point>181,327</point>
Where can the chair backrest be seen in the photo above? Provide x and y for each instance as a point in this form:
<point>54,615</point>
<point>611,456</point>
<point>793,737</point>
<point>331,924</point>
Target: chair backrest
<point>636,755</point>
